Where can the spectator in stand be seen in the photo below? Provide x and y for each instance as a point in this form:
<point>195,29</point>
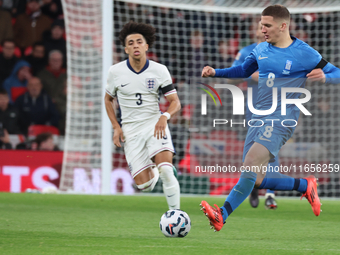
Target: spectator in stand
<point>37,58</point>
<point>36,107</point>
<point>30,26</point>
<point>52,8</point>
<point>9,115</point>
<point>53,76</point>
<point>55,39</point>
<point>15,7</point>
<point>60,102</point>
<point>7,60</point>
<point>197,57</point>
<point>6,30</point>
<point>44,142</point>
<point>16,83</point>
<point>5,142</point>
<point>226,52</point>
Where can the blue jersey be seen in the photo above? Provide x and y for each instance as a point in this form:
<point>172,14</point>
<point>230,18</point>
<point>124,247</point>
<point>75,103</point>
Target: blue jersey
<point>281,67</point>
<point>278,68</point>
<point>240,57</point>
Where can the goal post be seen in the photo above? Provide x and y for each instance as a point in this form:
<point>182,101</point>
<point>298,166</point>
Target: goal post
<point>190,35</point>
<point>88,147</point>
<point>106,135</point>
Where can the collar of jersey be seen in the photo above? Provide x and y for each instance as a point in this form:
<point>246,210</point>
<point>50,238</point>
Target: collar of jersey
<point>143,69</point>
<point>294,40</point>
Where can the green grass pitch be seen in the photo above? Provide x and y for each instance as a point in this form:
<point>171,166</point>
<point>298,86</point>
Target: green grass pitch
<point>81,224</point>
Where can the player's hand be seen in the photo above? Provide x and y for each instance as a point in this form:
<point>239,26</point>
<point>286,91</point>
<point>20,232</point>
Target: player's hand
<point>208,72</point>
<point>317,75</point>
<point>118,136</point>
<point>160,127</point>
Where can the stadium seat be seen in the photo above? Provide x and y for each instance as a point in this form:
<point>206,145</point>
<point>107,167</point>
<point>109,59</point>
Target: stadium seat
<point>17,91</point>
<point>35,130</point>
<point>28,51</point>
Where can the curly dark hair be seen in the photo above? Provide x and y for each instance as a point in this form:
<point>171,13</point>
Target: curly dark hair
<point>147,31</point>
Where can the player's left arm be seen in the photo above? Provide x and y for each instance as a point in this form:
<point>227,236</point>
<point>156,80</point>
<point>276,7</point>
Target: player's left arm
<point>174,107</point>
<point>326,73</point>
<point>321,70</point>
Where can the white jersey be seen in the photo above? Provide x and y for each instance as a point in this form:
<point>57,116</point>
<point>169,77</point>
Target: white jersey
<point>137,93</point>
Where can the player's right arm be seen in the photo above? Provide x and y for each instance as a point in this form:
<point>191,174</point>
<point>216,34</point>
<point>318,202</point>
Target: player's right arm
<point>118,132</point>
<point>111,93</point>
<point>248,67</point>
<point>239,59</point>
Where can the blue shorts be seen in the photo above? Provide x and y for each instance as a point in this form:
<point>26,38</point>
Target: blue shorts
<point>273,138</point>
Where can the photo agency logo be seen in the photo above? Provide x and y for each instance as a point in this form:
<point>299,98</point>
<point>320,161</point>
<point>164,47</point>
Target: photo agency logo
<point>204,98</point>
<point>239,109</point>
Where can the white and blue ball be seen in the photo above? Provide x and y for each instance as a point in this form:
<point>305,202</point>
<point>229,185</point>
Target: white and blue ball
<point>175,223</point>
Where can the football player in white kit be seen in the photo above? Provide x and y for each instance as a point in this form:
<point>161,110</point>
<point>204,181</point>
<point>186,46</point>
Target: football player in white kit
<point>135,82</point>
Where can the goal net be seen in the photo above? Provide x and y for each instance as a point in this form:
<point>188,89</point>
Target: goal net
<point>190,35</point>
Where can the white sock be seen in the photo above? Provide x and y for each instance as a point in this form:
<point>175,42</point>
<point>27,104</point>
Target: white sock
<point>170,185</point>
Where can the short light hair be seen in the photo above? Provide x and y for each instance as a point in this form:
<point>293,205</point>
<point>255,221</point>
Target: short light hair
<point>277,11</point>
<point>55,51</point>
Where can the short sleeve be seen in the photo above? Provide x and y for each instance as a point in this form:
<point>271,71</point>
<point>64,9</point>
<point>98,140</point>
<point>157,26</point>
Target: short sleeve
<point>166,78</point>
<point>110,87</point>
<point>166,83</point>
<point>308,57</point>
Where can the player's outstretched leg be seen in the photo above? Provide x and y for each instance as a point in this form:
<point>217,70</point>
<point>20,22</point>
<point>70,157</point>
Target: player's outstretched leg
<point>312,195</point>
<point>307,186</point>
<point>237,195</point>
<point>257,157</point>
<point>170,185</point>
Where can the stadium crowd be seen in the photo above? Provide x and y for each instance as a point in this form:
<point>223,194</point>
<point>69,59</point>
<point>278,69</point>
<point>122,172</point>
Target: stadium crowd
<point>32,71</point>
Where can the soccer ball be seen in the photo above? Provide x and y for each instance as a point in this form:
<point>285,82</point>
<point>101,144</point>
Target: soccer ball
<point>175,223</point>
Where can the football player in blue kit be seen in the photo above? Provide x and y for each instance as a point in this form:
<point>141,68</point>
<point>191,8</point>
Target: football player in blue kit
<point>252,82</point>
<point>284,63</point>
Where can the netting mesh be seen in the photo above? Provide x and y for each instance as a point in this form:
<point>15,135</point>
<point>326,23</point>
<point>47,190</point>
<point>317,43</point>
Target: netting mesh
<point>190,35</point>
<point>83,128</point>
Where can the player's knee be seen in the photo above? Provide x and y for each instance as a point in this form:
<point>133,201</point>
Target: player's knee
<point>166,172</point>
<point>150,185</point>
<point>258,182</point>
<point>250,160</point>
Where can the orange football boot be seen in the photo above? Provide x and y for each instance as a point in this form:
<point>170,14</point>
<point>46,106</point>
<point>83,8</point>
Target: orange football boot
<point>312,194</point>
<point>214,215</point>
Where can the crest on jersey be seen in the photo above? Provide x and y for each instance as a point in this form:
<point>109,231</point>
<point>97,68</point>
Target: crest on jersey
<point>288,66</point>
<point>150,83</point>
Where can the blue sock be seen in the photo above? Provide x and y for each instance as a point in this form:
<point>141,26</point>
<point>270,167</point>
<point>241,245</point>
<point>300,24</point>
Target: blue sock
<point>277,181</point>
<point>239,193</point>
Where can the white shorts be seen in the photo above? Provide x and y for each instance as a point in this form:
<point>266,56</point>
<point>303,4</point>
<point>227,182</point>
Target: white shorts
<point>140,149</point>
